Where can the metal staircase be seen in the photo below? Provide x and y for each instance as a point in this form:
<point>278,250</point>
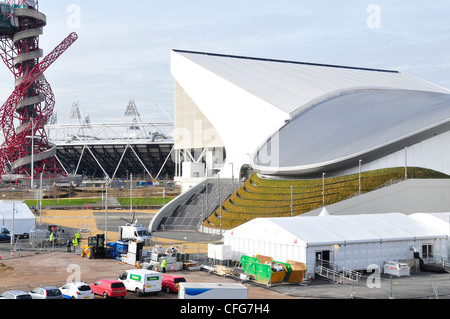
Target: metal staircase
<point>335,273</point>
<point>439,260</point>
<point>191,208</point>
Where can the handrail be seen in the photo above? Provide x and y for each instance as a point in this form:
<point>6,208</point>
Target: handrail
<point>440,260</point>
<point>336,271</point>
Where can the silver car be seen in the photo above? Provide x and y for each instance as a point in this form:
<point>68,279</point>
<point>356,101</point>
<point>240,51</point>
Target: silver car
<point>47,292</point>
<point>15,294</point>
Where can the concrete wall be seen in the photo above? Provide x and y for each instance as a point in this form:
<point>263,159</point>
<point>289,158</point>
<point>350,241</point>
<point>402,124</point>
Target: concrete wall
<point>407,197</point>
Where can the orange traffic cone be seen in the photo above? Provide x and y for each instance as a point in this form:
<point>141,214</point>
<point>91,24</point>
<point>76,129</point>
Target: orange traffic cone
<point>0,255</point>
<point>172,267</point>
<point>156,267</point>
<point>12,253</point>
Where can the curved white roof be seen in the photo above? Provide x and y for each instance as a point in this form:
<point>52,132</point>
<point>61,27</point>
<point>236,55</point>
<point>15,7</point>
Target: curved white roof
<point>334,229</point>
<point>365,124</point>
<point>247,99</point>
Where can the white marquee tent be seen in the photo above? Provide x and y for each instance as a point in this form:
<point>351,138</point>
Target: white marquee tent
<point>23,219</point>
<point>351,241</point>
<point>438,221</point>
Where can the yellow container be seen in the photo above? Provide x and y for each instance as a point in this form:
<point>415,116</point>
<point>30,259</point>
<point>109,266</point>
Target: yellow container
<point>298,271</point>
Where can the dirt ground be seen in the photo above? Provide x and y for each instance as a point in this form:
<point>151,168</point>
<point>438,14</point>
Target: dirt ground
<point>56,268</point>
<point>26,269</point>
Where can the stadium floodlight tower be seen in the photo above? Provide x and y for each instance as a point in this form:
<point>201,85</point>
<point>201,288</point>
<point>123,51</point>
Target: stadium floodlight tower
<point>26,151</point>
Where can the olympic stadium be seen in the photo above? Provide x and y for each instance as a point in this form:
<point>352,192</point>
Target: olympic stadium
<point>96,150</point>
<point>261,137</point>
<point>35,146</point>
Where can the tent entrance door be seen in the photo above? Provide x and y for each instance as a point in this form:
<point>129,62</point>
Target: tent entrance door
<point>324,258</point>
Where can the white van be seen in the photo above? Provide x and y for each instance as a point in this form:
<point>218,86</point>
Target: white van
<point>142,281</point>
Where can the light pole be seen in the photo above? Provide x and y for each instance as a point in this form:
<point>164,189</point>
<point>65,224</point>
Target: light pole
<point>219,202</point>
<point>106,208</point>
<point>292,201</point>
<point>232,176</point>
<point>13,235</point>
<point>131,194</point>
<point>40,201</point>
<point>359,188</point>
<point>406,163</point>
<point>323,189</point>
<point>32,136</point>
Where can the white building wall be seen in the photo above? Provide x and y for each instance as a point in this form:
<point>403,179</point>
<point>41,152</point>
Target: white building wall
<point>433,153</point>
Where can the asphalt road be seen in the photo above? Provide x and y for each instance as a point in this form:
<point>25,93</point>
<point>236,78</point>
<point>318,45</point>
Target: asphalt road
<point>116,219</point>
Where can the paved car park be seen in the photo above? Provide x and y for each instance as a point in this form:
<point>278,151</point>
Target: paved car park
<point>28,269</point>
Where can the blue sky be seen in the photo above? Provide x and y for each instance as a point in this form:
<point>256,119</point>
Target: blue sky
<point>123,51</point>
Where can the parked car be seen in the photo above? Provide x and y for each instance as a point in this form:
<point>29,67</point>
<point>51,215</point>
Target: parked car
<point>77,290</point>
<point>4,234</point>
<point>15,294</point>
<point>109,288</point>
<point>5,237</point>
<point>47,292</point>
<point>171,283</point>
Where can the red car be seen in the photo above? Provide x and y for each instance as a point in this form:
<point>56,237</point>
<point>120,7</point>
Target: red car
<point>171,283</point>
<point>109,288</point>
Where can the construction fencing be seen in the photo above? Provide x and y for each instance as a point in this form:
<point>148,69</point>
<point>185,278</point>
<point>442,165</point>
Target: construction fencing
<point>418,286</point>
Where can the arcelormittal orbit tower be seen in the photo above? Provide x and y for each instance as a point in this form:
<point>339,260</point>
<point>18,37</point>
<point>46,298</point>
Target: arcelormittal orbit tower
<point>26,152</point>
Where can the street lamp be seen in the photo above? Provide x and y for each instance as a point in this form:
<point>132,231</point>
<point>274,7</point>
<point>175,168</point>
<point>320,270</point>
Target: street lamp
<point>32,136</point>
<point>107,182</point>
<point>232,176</point>
<point>13,235</point>
<point>40,200</point>
<point>323,189</point>
<point>292,200</point>
<point>359,179</point>
<point>131,194</point>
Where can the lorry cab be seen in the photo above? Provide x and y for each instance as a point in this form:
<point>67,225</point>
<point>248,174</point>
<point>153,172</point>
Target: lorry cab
<point>141,281</point>
<point>135,232</point>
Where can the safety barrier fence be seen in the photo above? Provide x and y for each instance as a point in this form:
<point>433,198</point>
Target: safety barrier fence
<point>391,287</point>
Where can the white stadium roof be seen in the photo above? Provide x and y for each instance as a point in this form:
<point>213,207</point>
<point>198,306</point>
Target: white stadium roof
<point>288,85</point>
<point>247,100</point>
<point>365,124</point>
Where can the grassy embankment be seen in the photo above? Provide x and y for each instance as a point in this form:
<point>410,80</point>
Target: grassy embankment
<point>151,201</point>
<point>259,197</point>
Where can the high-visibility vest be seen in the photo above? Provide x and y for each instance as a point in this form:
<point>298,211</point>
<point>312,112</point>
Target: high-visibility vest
<point>52,237</point>
<point>75,242</point>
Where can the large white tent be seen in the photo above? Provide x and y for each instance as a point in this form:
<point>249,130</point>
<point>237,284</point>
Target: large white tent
<point>23,219</point>
<point>438,221</point>
<point>351,241</point>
